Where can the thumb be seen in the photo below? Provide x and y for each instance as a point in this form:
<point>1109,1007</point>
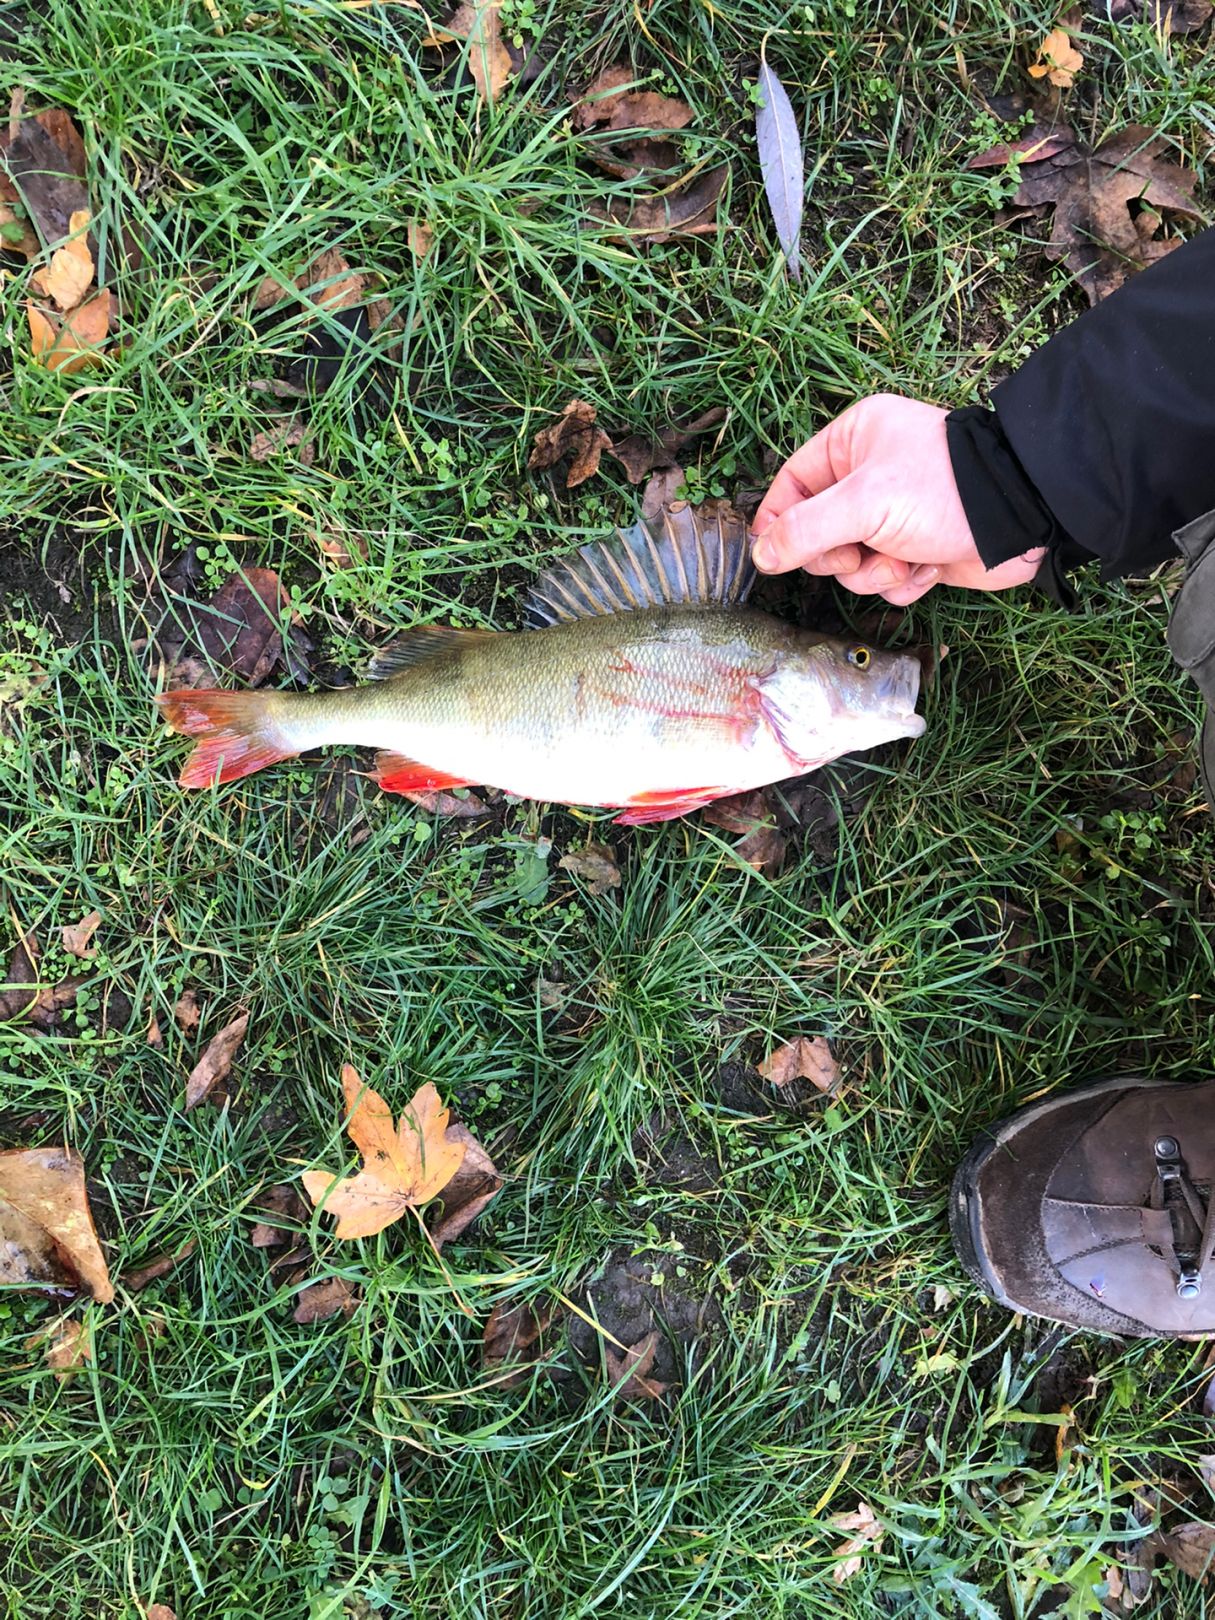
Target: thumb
<point>826,534</point>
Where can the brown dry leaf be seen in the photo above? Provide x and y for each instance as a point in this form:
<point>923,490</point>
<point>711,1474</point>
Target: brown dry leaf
<point>419,238</point>
<point>1058,60</point>
<point>327,283</point>
<point>640,455</point>
<point>238,631</point>
<point>70,273</point>
<point>763,845</point>
<point>868,1533</point>
<point>152,1035</point>
<point>573,434</point>
<point>1190,1547</point>
<point>341,548</point>
<point>1092,192</point>
<point>140,1276</point>
<point>1038,144</point>
<point>510,1331</point>
<point>187,1012</point>
<point>662,489</point>
<point>805,1058</point>
<point>438,802</point>
<point>285,1202</point>
<point>284,435</point>
<point>607,106</point>
<point>41,1004</point>
<point>489,60</point>
<point>403,1166</point>
<point>1165,16</point>
<point>633,1367</point>
<point>158,1611</point>
<point>47,1237</point>
<point>319,1301</point>
<point>474,1184</point>
<point>595,865</point>
<point>215,1062</point>
<point>76,936</point>
<point>67,1345</point>
<point>71,342</point>
<point>45,162</point>
<point>689,210</point>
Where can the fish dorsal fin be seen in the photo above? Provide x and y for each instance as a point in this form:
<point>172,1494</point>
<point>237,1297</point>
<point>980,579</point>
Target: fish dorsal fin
<point>693,554</point>
<point>416,646</point>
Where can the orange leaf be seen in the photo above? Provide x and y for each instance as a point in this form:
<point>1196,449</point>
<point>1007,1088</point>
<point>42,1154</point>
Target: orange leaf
<point>1058,59</point>
<point>404,1165</point>
<point>70,274</point>
<point>75,342</point>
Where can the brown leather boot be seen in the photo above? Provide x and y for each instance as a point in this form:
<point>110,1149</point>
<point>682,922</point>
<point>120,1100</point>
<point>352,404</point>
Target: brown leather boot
<point>1094,1208</point>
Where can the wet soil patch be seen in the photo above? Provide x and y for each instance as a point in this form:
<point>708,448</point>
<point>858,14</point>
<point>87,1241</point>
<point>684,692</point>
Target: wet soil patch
<point>632,1296</point>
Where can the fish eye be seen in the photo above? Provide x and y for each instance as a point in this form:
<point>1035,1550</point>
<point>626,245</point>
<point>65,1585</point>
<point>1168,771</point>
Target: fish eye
<point>860,656</point>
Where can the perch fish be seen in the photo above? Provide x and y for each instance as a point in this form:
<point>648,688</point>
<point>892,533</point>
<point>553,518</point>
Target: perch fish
<point>642,683</point>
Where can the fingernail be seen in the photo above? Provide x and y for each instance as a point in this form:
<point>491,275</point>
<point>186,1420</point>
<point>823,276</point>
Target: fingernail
<point>923,574</point>
<point>763,522</point>
<point>763,555</point>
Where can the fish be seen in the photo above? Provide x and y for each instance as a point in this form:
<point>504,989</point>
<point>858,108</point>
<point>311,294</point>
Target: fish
<point>641,682</point>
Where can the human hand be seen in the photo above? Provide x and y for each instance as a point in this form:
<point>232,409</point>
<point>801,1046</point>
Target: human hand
<point>872,499</point>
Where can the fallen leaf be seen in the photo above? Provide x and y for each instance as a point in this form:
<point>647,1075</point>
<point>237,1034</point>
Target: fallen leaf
<point>1058,60</point>
<point>327,283</point>
<point>47,1237</point>
<point>595,866</point>
<point>76,936</point>
<point>1114,1584</point>
<point>187,1012</point>
<point>1165,16</point>
<point>1094,231</point>
<point>806,1058</point>
<point>45,161</point>
<point>152,1034</point>
<point>640,455</point>
<point>573,434</point>
<point>780,162</point>
<point>140,1276</point>
<point>70,273</point>
<point>688,210</point>
<point>319,1301</point>
<point>284,435</point>
<point>238,631</point>
<point>15,234</point>
<point>403,1166</point>
<point>472,1187</point>
<point>662,489</point>
<point>158,1611</point>
<point>607,106</point>
<point>1190,1547</point>
<point>868,1533</point>
<point>942,1297</point>
<point>342,548</point>
<point>438,802</point>
<point>67,1345</point>
<point>40,1003</point>
<point>215,1062</point>
<point>419,238</point>
<point>479,23</point>
<point>763,845</point>
<point>73,341</point>
<point>631,1370</point>
<point>510,1332</point>
<point>1035,146</point>
<point>285,1202</point>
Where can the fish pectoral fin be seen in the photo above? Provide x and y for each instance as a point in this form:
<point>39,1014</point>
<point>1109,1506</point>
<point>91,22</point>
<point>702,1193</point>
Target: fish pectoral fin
<point>417,646</point>
<point>396,774</point>
<point>643,808</point>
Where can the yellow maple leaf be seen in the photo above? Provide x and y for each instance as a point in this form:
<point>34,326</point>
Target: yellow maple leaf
<point>404,1165</point>
<point>1058,59</point>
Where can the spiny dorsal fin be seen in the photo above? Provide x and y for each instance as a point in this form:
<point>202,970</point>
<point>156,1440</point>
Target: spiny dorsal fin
<point>416,646</point>
<point>696,554</point>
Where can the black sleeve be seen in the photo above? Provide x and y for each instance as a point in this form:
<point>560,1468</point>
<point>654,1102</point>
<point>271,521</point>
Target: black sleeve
<point>1103,443</point>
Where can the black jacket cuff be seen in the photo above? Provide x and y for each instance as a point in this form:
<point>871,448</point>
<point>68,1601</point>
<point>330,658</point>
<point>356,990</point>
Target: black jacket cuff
<point>1007,515</point>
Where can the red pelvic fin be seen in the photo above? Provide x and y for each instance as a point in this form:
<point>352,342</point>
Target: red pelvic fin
<point>396,774</point>
<point>643,808</point>
<point>229,726</point>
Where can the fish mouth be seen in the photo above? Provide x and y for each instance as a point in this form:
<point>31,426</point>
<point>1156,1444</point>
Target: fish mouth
<point>899,692</point>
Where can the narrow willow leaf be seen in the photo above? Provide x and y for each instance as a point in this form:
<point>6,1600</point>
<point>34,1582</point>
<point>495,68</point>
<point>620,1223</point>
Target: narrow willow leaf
<point>780,161</point>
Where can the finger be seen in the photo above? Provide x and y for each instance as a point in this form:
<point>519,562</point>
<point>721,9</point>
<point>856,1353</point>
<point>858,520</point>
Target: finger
<point>840,560</point>
<point>877,575</point>
<point>911,591</point>
<point>849,513</point>
<point>974,576</point>
<point>808,471</point>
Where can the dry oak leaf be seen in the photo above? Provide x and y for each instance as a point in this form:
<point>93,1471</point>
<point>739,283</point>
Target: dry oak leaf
<point>215,1062</point>
<point>47,1237</point>
<point>1094,231</point>
<point>238,630</point>
<point>806,1058</point>
<point>639,455</point>
<point>285,1202</point>
<point>474,1184</point>
<point>76,936</point>
<point>607,105</point>
<point>403,1165</point>
<point>573,434</point>
<point>44,160</point>
<point>1058,60</point>
<point>661,491</point>
<point>67,1345</point>
<point>630,1371</point>
<point>595,865</point>
<point>480,25</point>
<point>688,210</point>
<point>867,1532</point>
<point>73,341</point>
<point>319,1301</point>
<point>763,845</point>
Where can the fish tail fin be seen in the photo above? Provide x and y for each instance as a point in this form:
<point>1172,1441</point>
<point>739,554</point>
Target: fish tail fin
<point>235,733</point>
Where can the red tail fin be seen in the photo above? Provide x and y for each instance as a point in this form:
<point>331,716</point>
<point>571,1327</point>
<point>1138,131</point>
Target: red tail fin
<point>235,739</point>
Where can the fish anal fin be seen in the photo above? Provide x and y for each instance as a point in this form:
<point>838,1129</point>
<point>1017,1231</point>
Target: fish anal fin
<point>396,774</point>
<point>418,646</point>
<point>695,555</point>
<point>644,808</point>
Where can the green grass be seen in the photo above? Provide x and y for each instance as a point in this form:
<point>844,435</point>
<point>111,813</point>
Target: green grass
<point>218,1457</point>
